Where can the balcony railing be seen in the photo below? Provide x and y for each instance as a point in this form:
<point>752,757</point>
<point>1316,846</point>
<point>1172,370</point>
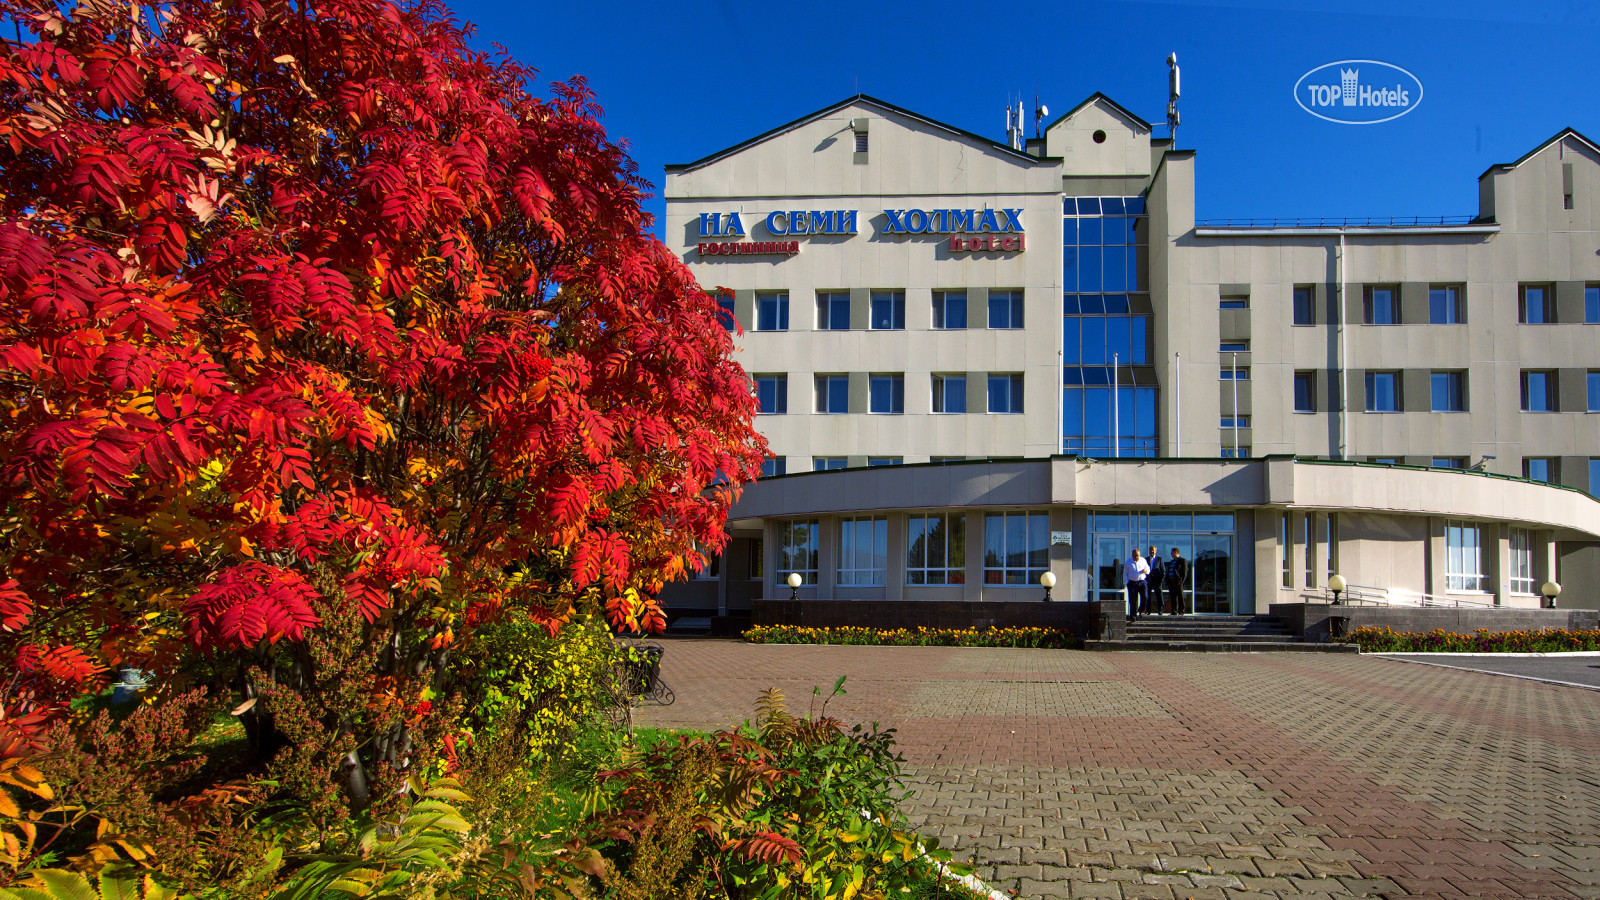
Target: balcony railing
<point>1371,222</point>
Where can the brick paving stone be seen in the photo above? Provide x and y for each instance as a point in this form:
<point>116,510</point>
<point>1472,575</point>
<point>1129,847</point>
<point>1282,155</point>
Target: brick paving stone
<point>1308,774</point>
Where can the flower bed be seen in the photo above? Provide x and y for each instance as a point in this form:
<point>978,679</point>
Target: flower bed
<point>1050,638</point>
<point>1552,640</point>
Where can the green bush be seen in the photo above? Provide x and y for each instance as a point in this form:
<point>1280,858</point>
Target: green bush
<point>1551,640</point>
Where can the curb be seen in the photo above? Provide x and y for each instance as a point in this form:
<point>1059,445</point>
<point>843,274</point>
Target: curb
<point>1557,653</point>
<point>1423,662</point>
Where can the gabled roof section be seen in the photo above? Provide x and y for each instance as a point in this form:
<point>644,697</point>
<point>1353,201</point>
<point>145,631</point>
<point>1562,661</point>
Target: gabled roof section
<point>1114,106</point>
<point>1561,136</point>
<point>883,106</point>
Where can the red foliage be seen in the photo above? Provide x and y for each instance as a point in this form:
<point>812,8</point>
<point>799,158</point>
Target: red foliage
<point>295,297</point>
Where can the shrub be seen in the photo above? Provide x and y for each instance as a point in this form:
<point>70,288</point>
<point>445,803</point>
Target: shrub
<point>914,637</point>
<point>1550,640</point>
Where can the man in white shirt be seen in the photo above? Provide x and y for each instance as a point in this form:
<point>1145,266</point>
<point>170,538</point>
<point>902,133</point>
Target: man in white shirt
<point>1134,572</point>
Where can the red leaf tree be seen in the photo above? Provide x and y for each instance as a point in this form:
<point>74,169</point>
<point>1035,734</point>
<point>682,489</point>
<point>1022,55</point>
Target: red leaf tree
<point>314,319</point>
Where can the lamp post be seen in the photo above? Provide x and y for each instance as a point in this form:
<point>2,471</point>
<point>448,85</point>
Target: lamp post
<point>1337,585</point>
<point>794,585</point>
<point>1048,579</point>
<point>1551,591</point>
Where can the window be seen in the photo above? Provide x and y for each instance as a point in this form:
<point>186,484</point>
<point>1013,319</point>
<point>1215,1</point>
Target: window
<point>1005,309</point>
<point>1229,372</point>
<point>712,570</point>
<point>1308,537</point>
<point>725,311</point>
<point>1538,391</point>
<point>1235,421</point>
<point>888,310</point>
<point>1536,305</point>
<point>1234,303</point>
<point>772,312</point>
<point>833,394</point>
<point>1449,462</point>
<point>1384,460</point>
<point>1285,551</point>
<point>797,550</point>
<point>833,311</point>
<point>774,465</point>
<point>1305,306</point>
<point>828,463</point>
<point>1591,304</point>
<point>1463,557</point>
<point>772,394</point>
<point>1305,392</point>
<point>1383,392</point>
<point>1227,347</point>
<point>936,549</point>
<point>758,559</point>
<point>1005,393</point>
<point>1016,547</point>
<point>1541,468</point>
<point>1381,306</point>
<point>949,393</point>
<point>861,142</point>
<point>1444,304</point>
<point>949,309</point>
<point>1594,476</point>
<point>863,551</point>
<point>886,394</point>
<point>1594,390</point>
<point>885,461</point>
<point>1333,545</point>
<point>1449,390</point>
<point>945,459</point>
<point>1240,452</point>
<point>1520,547</point>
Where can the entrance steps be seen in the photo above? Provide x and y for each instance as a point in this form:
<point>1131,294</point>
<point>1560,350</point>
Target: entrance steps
<point>1215,633</point>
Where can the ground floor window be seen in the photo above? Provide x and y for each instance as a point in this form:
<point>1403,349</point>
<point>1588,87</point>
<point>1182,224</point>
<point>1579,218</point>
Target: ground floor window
<point>797,549</point>
<point>1016,547</point>
<point>1463,557</point>
<point>863,551</point>
<point>936,549</point>
<point>1521,560</point>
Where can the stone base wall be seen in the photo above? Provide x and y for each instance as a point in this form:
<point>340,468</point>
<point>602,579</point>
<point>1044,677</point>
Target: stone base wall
<point>1089,621</point>
<point>1317,621</point>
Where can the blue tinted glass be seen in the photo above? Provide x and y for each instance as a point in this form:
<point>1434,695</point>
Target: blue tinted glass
<point>1069,268</point>
<point>999,310</point>
<point>1594,392</point>
<point>1096,375</point>
<point>1069,304</point>
<point>1140,336</point>
<point>838,395</point>
<point>1117,338</point>
<point>1089,231</point>
<point>1539,469</point>
<point>880,398</point>
<point>1089,270</point>
<point>1591,304</point>
<point>1071,356</point>
<point>1088,206</point>
<point>1594,477</point>
<point>1113,231</point>
<point>1069,232</point>
<point>1145,424</point>
<point>1135,206</point>
<point>1097,413</point>
<point>1132,236</point>
<point>1094,341</point>
<point>1112,206</point>
<point>1093,304</point>
<point>999,393</point>
<point>1116,303</point>
<point>1126,409</point>
<point>1115,273</point>
<point>1072,375</point>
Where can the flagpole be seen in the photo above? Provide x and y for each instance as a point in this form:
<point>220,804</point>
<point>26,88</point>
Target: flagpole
<point>1116,410</point>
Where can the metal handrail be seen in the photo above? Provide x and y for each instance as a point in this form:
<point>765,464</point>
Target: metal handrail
<point>1369,222</point>
<point>1369,595</point>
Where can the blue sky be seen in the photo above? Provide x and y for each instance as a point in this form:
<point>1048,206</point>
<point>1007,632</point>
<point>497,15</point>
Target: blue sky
<point>682,80</point>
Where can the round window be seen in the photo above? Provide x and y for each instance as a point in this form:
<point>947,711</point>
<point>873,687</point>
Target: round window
<point>1099,137</point>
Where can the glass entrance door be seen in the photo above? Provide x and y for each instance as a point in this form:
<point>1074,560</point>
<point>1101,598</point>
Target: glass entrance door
<point>1109,553</point>
<point>1205,538</point>
<point>1213,573</point>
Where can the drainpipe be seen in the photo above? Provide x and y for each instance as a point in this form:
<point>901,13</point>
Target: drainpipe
<point>1177,389</point>
<point>1344,358</point>
<point>1235,406</point>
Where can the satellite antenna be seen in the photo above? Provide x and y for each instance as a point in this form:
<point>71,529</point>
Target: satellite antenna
<point>1039,113</point>
<point>1172,98</point>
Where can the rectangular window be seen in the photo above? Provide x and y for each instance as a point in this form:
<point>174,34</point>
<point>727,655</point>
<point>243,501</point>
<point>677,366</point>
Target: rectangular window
<point>1308,539</point>
<point>1227,347</point>
<point>1384,460</point>
<point>1229,372</point>
<point>1005,393</point>
<point>1383,392</point>
<point>828,463</point>
<point>949,393</point>
<point>1538,391</point>
<point>949,309</point>
<point>1285,553</point>
<point>1333,545</point>
<point>1305,306</point>
<point>1449,462</point>
<point>1449,391</point>
<point>936,549</point>
<point>1591,304</point>
<point>772,312</point>
<point>1240,452</point>
<point>797,549</point>
<point>758,559</point>
<point>774,465</point>
<point>833,394</point>
<point>1594,390</point>
<point>885,461</point>
<point>1235,421</point>
<point>833,311</point>
<point>1444,304</point>
<point>1305,392</point>
<point>1536,304</point>
<point>1016,547</point>
<point>1520,546</point>
<point>772,394</point>
<point>725,312</point>
<point>1541,468</point>
<point>863,551</point>
<point>1234,303</point>
<point>712,570</point>
<point>888,310</point>
<point>1005,309</point>
<point>1594,476</point>
<point>1382,305</point>
<point>886,394</point>
<point>1463,557</point>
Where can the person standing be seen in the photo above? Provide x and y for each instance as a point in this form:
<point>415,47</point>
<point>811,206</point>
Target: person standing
<point>1154,580</point>
<point>1177,578</point>
<point>1134,572</point>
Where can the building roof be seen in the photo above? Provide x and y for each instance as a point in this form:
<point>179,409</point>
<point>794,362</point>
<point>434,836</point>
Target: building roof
<point>1560,136</point>
<point>1098,97</point>
<point>863,99</point>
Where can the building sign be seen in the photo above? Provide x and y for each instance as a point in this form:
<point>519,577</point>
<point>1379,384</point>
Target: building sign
<point>991,229</point>
<point>748,248</point>
<point>1358,92</point>
<point>970,230</point>
<point>781,223</point>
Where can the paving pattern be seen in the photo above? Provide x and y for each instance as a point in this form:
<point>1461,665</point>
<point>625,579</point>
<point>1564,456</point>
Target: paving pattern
<point>1174,775</point>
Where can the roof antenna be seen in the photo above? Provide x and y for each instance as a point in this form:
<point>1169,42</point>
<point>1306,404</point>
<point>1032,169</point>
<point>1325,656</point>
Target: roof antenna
<point>1040,111</point>
<point>1172,98</point>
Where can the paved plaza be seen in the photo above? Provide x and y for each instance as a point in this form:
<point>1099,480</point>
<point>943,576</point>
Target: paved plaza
<point>1132,775</point>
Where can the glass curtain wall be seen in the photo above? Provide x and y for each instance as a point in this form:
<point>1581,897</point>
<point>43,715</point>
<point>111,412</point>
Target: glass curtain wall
<point>1106,323</point>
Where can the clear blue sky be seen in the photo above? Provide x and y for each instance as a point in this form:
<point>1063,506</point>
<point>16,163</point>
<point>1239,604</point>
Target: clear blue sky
<point>679,81</point>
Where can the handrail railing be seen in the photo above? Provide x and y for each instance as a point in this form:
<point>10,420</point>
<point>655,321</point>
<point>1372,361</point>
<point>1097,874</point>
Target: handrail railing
<point>1330,222</point>
<point>1369,595</point>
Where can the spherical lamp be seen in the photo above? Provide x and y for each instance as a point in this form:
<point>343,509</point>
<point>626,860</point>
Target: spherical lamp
<point>1048,579</point>
<point>1551,591</point>
<point>794,585</point>
<point>1337,585</point>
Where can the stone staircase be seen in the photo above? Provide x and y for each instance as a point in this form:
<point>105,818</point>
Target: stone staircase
<point>1206,633</point>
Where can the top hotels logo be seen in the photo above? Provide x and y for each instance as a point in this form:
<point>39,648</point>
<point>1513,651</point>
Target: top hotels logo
<point>1358,92</point>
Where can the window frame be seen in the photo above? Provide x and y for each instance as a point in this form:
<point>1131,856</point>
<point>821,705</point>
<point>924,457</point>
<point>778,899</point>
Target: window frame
<point>1591,304</point>
<point>1547,305</point>
<point>826,306</point>
<point>1452,463</point>
<point>1460,577</point>
<point>1551,464</point>
<point>954,535</point>
<point>825,396</point>
<point>726,315</point>
<point>1520,562</point>
<point>1227,373</point>
<point>1308,377</point>
<point>1013,386</point>
<point>779,300</point>
<point>896,301</point>
<point>1456,381</point>
<point>827,463</point>
<point>787,549</point>
<point>1308,293</point>
<point>1006,574</point>
<point>849,552</point>
<point>778,464</point>
<point>1456,309</point>
<point>895,384</point>
<point>939,387</point>
<point>1369,300</point>
<point>780,390</point>
<point>1013,308</point>
<point>1371,380</point>
<point>1552,401</point>
<point>1591,380</point>
<point>942,300</point>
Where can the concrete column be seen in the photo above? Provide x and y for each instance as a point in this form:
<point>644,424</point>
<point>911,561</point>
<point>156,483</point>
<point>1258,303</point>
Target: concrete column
<point>1436,558</point>
<point>974,591</point>
<point>1268,579</point>
<point>1061,555</point>
<point>894,578</point>
<point>1498,559</point>
<point>827,557</point>
<point>1544,560</point>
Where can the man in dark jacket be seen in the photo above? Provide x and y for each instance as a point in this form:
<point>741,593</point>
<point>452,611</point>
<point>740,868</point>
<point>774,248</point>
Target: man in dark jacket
<point>1176,578</point>
<point>1158,574</point>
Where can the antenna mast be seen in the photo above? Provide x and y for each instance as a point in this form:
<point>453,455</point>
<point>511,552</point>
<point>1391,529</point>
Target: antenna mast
<point>1172,98</point>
